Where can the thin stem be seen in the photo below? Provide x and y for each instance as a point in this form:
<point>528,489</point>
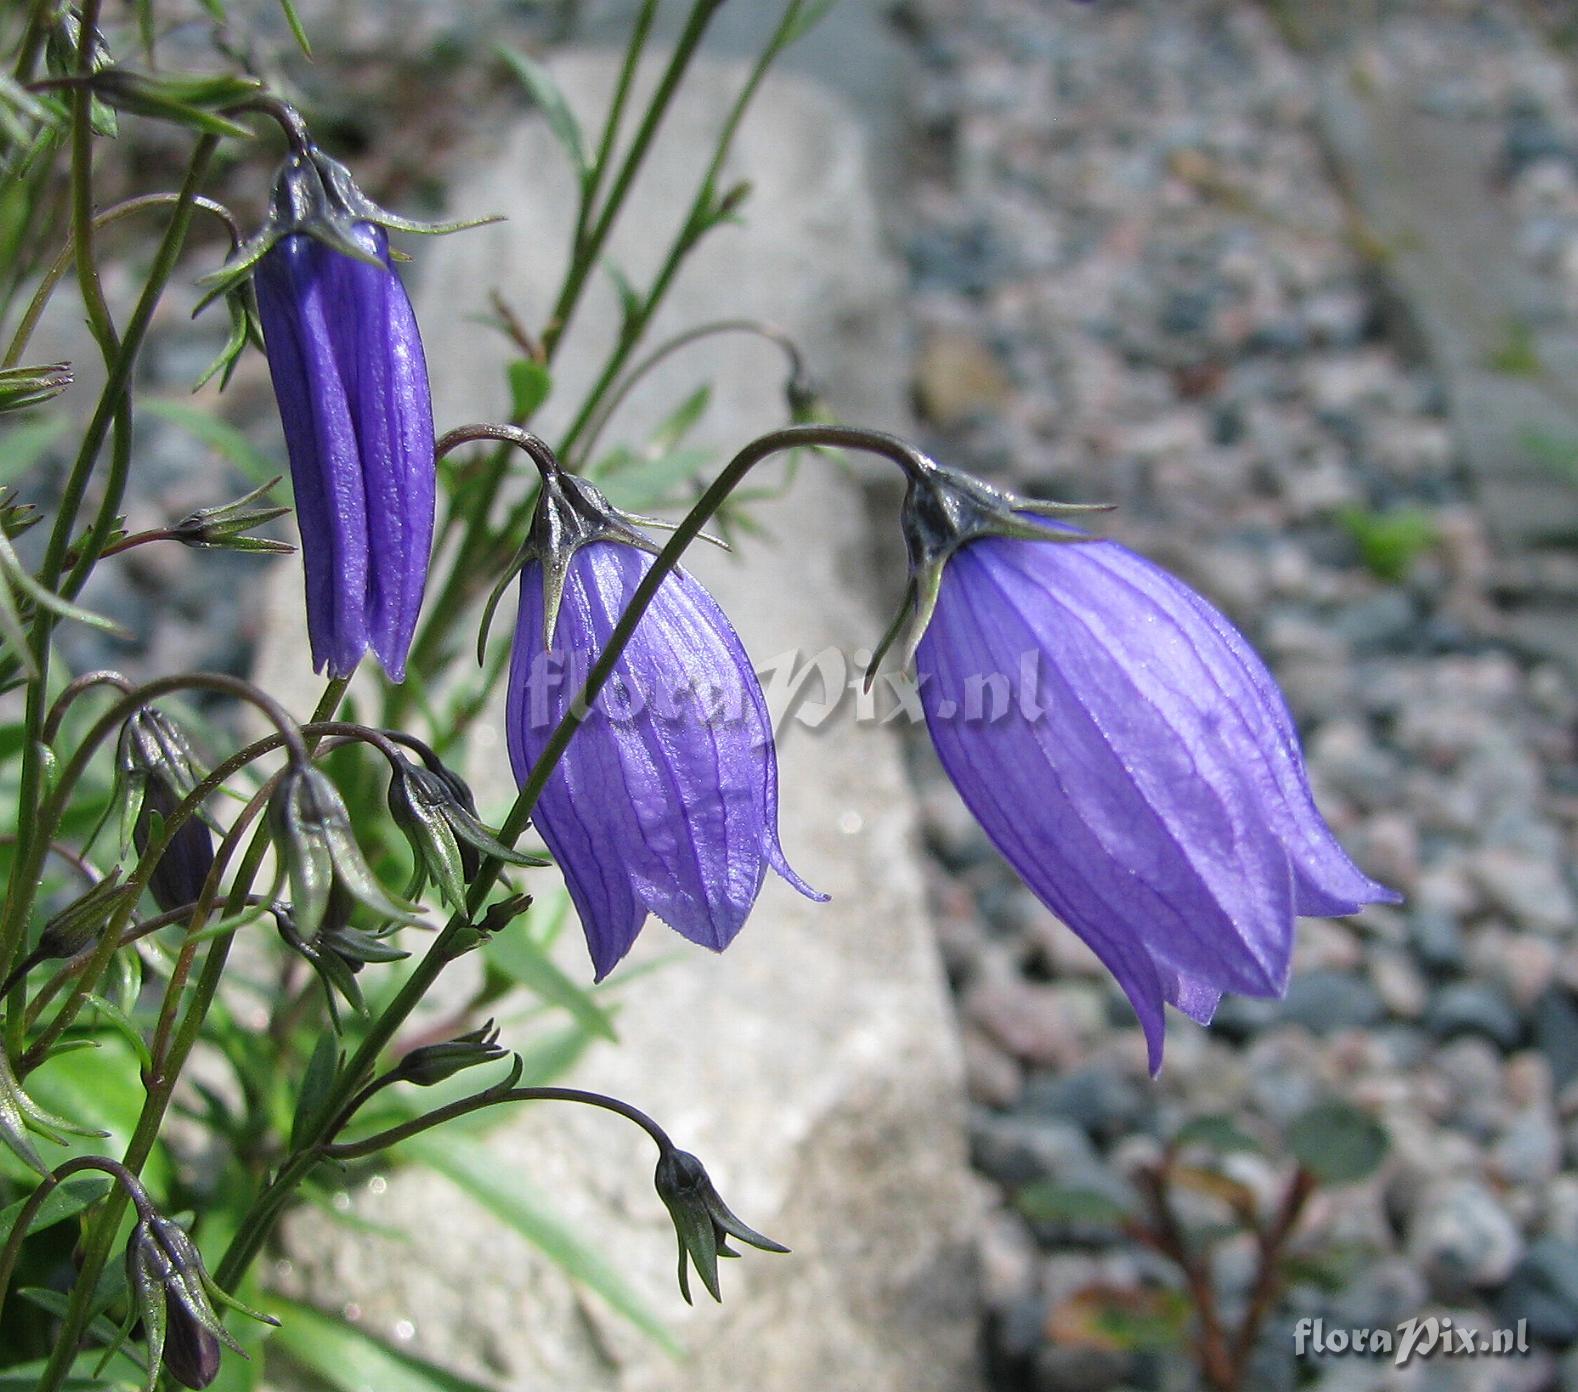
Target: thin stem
<point>46,1186</point>
<point>1271,1241</point>
<point>73,689</point>
<point>616,398</point>
<point>592,184</point>
<point>696,223</point>
<point>357,1150</point>
<point>587,254</point>
<point>101,1236</point>
<point>67,257</point>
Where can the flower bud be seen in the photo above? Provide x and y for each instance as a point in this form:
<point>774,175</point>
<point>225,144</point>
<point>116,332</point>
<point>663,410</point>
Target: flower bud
<point>29,386</point>
<point>79,924</point>
<point>702,1221</point>
<point>226,527</point>
<point>156,771</point>
<point>437,814</point>
<point>174,1296</point>
<point>312,831</point>
<point>432,1063</point>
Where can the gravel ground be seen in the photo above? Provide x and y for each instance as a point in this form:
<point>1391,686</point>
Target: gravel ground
<point>1134,279</point>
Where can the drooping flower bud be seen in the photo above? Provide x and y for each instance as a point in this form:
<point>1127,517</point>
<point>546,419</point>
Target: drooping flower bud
<point>157,771</point>
<point>1138,766</point>
<point>81,921</point>
<point>174,1296</point>
<point>312,831</point>
<point>337,951</point>
<point>702,1221</point>
<point>666,799</point>
<point>437,814</point>
<point>227,526</point>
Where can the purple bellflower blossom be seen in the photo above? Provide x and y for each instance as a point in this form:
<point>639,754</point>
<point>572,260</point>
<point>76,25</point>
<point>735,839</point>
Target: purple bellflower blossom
<point>352,387</point>
<point>351,382</point>
<point>1146,779</point>
<point>666,798</point>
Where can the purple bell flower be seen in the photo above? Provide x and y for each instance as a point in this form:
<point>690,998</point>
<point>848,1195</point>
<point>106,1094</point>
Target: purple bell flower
<point>666,798</point>
<point>352,387</point>
<point>353,395</point>
<point>1123,746</point>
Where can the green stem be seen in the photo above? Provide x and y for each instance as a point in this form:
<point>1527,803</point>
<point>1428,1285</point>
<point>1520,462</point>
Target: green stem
<point>113,406</point>
<point>458,934</point>
<point>587,254</point>
<point>697,220</point>
<point>101,1236</point>
<point>592,184</point>
<point>358,1150</point>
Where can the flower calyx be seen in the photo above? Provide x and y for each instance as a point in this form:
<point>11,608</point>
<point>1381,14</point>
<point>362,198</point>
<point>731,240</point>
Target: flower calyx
<point>943,510</point>
<point>315,195</point>
<point>702,1221</point>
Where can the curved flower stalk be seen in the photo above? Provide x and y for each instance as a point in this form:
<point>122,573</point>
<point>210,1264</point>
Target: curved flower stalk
<point>1123,746</point>
<point>351,381</point>
<point>666,800</point>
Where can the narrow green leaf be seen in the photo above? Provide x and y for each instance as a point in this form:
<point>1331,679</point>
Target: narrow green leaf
<point>294,20</point>
<point>501,1191</point>
<point>316,1084</point>
<point>681,421</point>
<point>121,1022</point>
<point>351,1359</point>
<point>67,1200</point>
<point>517,954</point>
<point>224,439</point>
<point>808,18</point>
<point>544,91</point>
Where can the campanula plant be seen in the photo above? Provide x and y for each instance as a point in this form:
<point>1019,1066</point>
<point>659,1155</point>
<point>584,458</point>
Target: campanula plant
<point>1147,784</point>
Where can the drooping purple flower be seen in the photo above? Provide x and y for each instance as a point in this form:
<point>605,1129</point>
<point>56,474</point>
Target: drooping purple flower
<point>353,395</point>
<point>666,798</point>
<point>351,382</point>
<point>1123,746</point>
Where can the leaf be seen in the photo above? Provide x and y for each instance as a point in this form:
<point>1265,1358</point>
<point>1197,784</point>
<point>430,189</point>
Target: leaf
<point>1389,542</point>
<point>23,445</point>
<point>225,439</point>
<point>544,91</point>
<point>806,20</point>
<point>681,420</point>
<point>120,1021</point>
<point>351,1359</point>
<point>68,1199</point>
<point>1047,1202</point>
<point>294,20</point>
<point>518,955</point>
<point>479,1174</point>
<point>530,383</point>
<point>1338,1143</point>
<point>1213,1184</point>
<point>1115,1318</point>
<point>316,1085</point>
<point>1215,1132</point>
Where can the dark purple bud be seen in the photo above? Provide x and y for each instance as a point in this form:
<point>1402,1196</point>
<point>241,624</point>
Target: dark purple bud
<point>157,770</point>
<point>179,874</point>
<point>353,395</point>
<point>1124,748</point>
<point>666,799</point>
<point>175,1297</point>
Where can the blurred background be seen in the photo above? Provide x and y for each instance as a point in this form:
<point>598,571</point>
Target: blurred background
<point>1295,284</point>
